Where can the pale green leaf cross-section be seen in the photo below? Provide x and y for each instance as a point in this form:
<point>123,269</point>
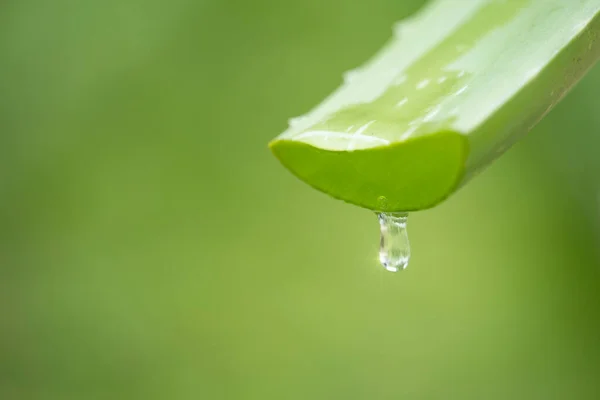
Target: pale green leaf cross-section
<point>453,89</point>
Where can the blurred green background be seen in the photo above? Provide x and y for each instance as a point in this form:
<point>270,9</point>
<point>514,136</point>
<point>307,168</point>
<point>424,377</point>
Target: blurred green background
<point>152,248</point>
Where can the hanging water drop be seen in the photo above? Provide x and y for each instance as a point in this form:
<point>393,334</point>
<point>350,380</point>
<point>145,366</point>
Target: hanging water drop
<point>394,249</point>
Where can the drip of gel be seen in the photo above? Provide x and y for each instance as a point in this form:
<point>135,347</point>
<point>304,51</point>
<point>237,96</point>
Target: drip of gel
<point>394,249</point>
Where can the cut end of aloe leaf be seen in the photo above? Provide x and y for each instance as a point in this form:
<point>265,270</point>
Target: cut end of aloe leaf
<point>455,87</point>
<point>382,178</point>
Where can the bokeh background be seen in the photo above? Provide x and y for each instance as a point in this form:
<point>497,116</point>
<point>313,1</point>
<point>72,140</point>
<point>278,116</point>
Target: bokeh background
<point>152,248</point>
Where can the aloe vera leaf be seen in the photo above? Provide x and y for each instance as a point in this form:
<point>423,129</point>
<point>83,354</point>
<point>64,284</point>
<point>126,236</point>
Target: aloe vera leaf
<point>455,87</point>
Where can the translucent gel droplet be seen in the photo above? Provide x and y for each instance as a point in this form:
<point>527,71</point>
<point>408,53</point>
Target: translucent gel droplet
<point>394,249</point>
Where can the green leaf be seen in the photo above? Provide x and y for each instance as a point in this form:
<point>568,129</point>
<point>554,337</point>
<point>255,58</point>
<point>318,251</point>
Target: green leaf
<point>456,86</point>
